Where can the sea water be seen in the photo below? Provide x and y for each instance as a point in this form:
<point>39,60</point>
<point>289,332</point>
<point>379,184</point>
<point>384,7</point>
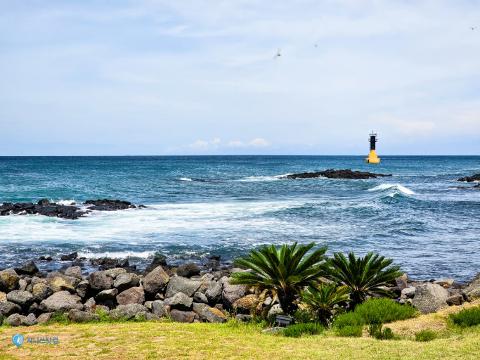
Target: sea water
<point>225,205</point>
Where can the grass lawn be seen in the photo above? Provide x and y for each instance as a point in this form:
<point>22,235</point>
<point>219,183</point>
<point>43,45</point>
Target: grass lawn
<point>167,340</point>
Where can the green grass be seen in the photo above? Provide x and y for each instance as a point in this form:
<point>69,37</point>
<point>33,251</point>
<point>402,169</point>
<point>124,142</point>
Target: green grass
<point>168,340</point>
<point>349,331</point>
<point>298,330</point>
<point>467,317</point>
<point>426,335</point>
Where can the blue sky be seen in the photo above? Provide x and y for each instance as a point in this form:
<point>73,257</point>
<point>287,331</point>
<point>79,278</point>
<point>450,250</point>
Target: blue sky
<point>201,77</point>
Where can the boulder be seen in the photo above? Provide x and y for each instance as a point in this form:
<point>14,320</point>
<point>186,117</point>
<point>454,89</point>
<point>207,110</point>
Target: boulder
<point>41,291</point>
<point>30,320</point>
<point>408,292</point>
<point>7,308</point>
<point>275,310</point>
<point>127,311</point>
<point>22,284</point>
<point>232,293</point>
<point>74,271</point>
<point>3,296</point>
<point>99,280</point>
<point>155,281</point>
<point>22,298</point>
<point>430,298</point>
<point>15,320</point>
<point>114,272</point>
<point>158,260</point>
<point>243,317</point>
<point>82,288</point>
<point>402,281</point>
<point>214,292</point>
<point>61,301</point>
<point>209,314</point>
<point>60,282</point>
<point>472,178</point>
<point>105,296</point>
<point>179,301</point>
<point>69,257</point>
<point>125,281</point>
<point>79,316</point>
<point>8,280</point>
<point>44,318</point>
<point>133,295</point>
<point>180,284</point>
<point>108,205</point>
<point>198,297</point>
<point>159,308</point>
<point>446,283</point>
<point>182,316</point>
<point>246,304</point>
<point>28,268</point>
<point>472,291</point>
<point>90,304</point>
<point>110,263</point>
<point>188,270</point>
<point>455,299</point>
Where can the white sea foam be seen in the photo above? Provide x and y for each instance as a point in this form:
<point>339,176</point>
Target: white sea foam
<point>66,202</point>
<point>263,178</point>
<point>185,179</point>
<point>397,187</point>
<point>116,254</point>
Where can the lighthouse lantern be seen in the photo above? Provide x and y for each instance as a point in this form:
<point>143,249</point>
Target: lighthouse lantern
<point>372,156</point>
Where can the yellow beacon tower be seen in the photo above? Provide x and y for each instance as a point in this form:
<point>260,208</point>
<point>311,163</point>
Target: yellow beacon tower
<point>372,156</point>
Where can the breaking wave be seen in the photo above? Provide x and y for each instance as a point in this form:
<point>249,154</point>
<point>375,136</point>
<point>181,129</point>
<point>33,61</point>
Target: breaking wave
<point>396,187</point>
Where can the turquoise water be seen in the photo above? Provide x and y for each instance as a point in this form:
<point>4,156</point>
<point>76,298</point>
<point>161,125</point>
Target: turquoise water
<point>198,206</point>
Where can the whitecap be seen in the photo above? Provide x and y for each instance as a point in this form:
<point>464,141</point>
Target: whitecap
<point>116,254</point>
<point>185,179</point>
<point>397,187</point>
<point>264,178</point>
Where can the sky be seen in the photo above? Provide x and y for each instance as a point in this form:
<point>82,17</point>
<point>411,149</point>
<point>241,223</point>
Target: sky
<point>203,77</point>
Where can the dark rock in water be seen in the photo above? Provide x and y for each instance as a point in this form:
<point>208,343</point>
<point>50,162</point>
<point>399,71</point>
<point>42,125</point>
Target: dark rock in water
<point>188,270</point>
<point>158,260</point>
<point>43,202</point>
<point>28,268</point>
<point>69,257</point>
<point>336,174</point>
<point>45,258</point>
<point>472,178</point>
<point>109,263</point>
<point>109,205</point>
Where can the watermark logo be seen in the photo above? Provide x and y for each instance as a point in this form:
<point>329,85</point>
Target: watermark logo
<point>17,340</point>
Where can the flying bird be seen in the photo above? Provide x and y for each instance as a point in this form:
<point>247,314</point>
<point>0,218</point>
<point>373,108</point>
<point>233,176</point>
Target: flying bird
<point>278,54</point>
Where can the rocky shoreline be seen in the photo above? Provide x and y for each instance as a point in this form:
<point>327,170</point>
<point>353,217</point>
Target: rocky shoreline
<point>184,293</point>
<point>71,212</point>
<point>337,174</point>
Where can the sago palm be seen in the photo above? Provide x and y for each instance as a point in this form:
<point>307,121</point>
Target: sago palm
<point>363,276</point>
<point>286,270</point>
<point>324,300</point>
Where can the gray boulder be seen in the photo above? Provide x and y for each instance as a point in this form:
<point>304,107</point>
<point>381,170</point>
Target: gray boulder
<point>113,273</point>
<point>74,271</point>
<point>44,318</point>
<point>7,308</point>
<point>127,311</point>
<point>182,316</point>
<point>30,320</point>
<point>232,293</point>
<point>60,282</point>
<point>61,301</point>
<point>159,308</point>
<point>133,295</point>
<point>180,284</point>
<point>408,292</point>
<point>155,281</point>
<point>106,295</point>
<point>179,301</point>
<point>472,291</point>
<point>8,280</point>
<point>125,281</point>
<point>99,280</point>
<point>455,299</point>
<point>79,316</point>
<point>82,288</point>
<point>430,298</point>
<point>15,320</point>
<point>214,292</point>
<point>22,298</point>
<point>198,297</point>
<point>41,291</point>
<point>22,284</point>
<point>209,314</point>
<point>28,268</point>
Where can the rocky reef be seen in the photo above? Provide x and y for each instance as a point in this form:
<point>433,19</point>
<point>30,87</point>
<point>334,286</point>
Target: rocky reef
<point>72,212</point>
<point>336,174</point>
<point>472,178</point>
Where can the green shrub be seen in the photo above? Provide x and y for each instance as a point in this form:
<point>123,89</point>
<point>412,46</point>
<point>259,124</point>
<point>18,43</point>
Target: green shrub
<point>375,330</point>
<point>467,317</point>
<point>350,331</point>
<point>298,330</point>
<point>380,311</point>
<point>325,300</point>
<point>425,335</point>
<point>302,316</point>
<point>59,318</point>
<point>348,319</point>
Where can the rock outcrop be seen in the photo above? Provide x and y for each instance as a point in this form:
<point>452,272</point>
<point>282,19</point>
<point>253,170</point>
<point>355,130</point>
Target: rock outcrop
<point>336,174</point>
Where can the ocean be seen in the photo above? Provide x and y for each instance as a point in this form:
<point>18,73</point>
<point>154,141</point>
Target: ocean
<point>199,206</point>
